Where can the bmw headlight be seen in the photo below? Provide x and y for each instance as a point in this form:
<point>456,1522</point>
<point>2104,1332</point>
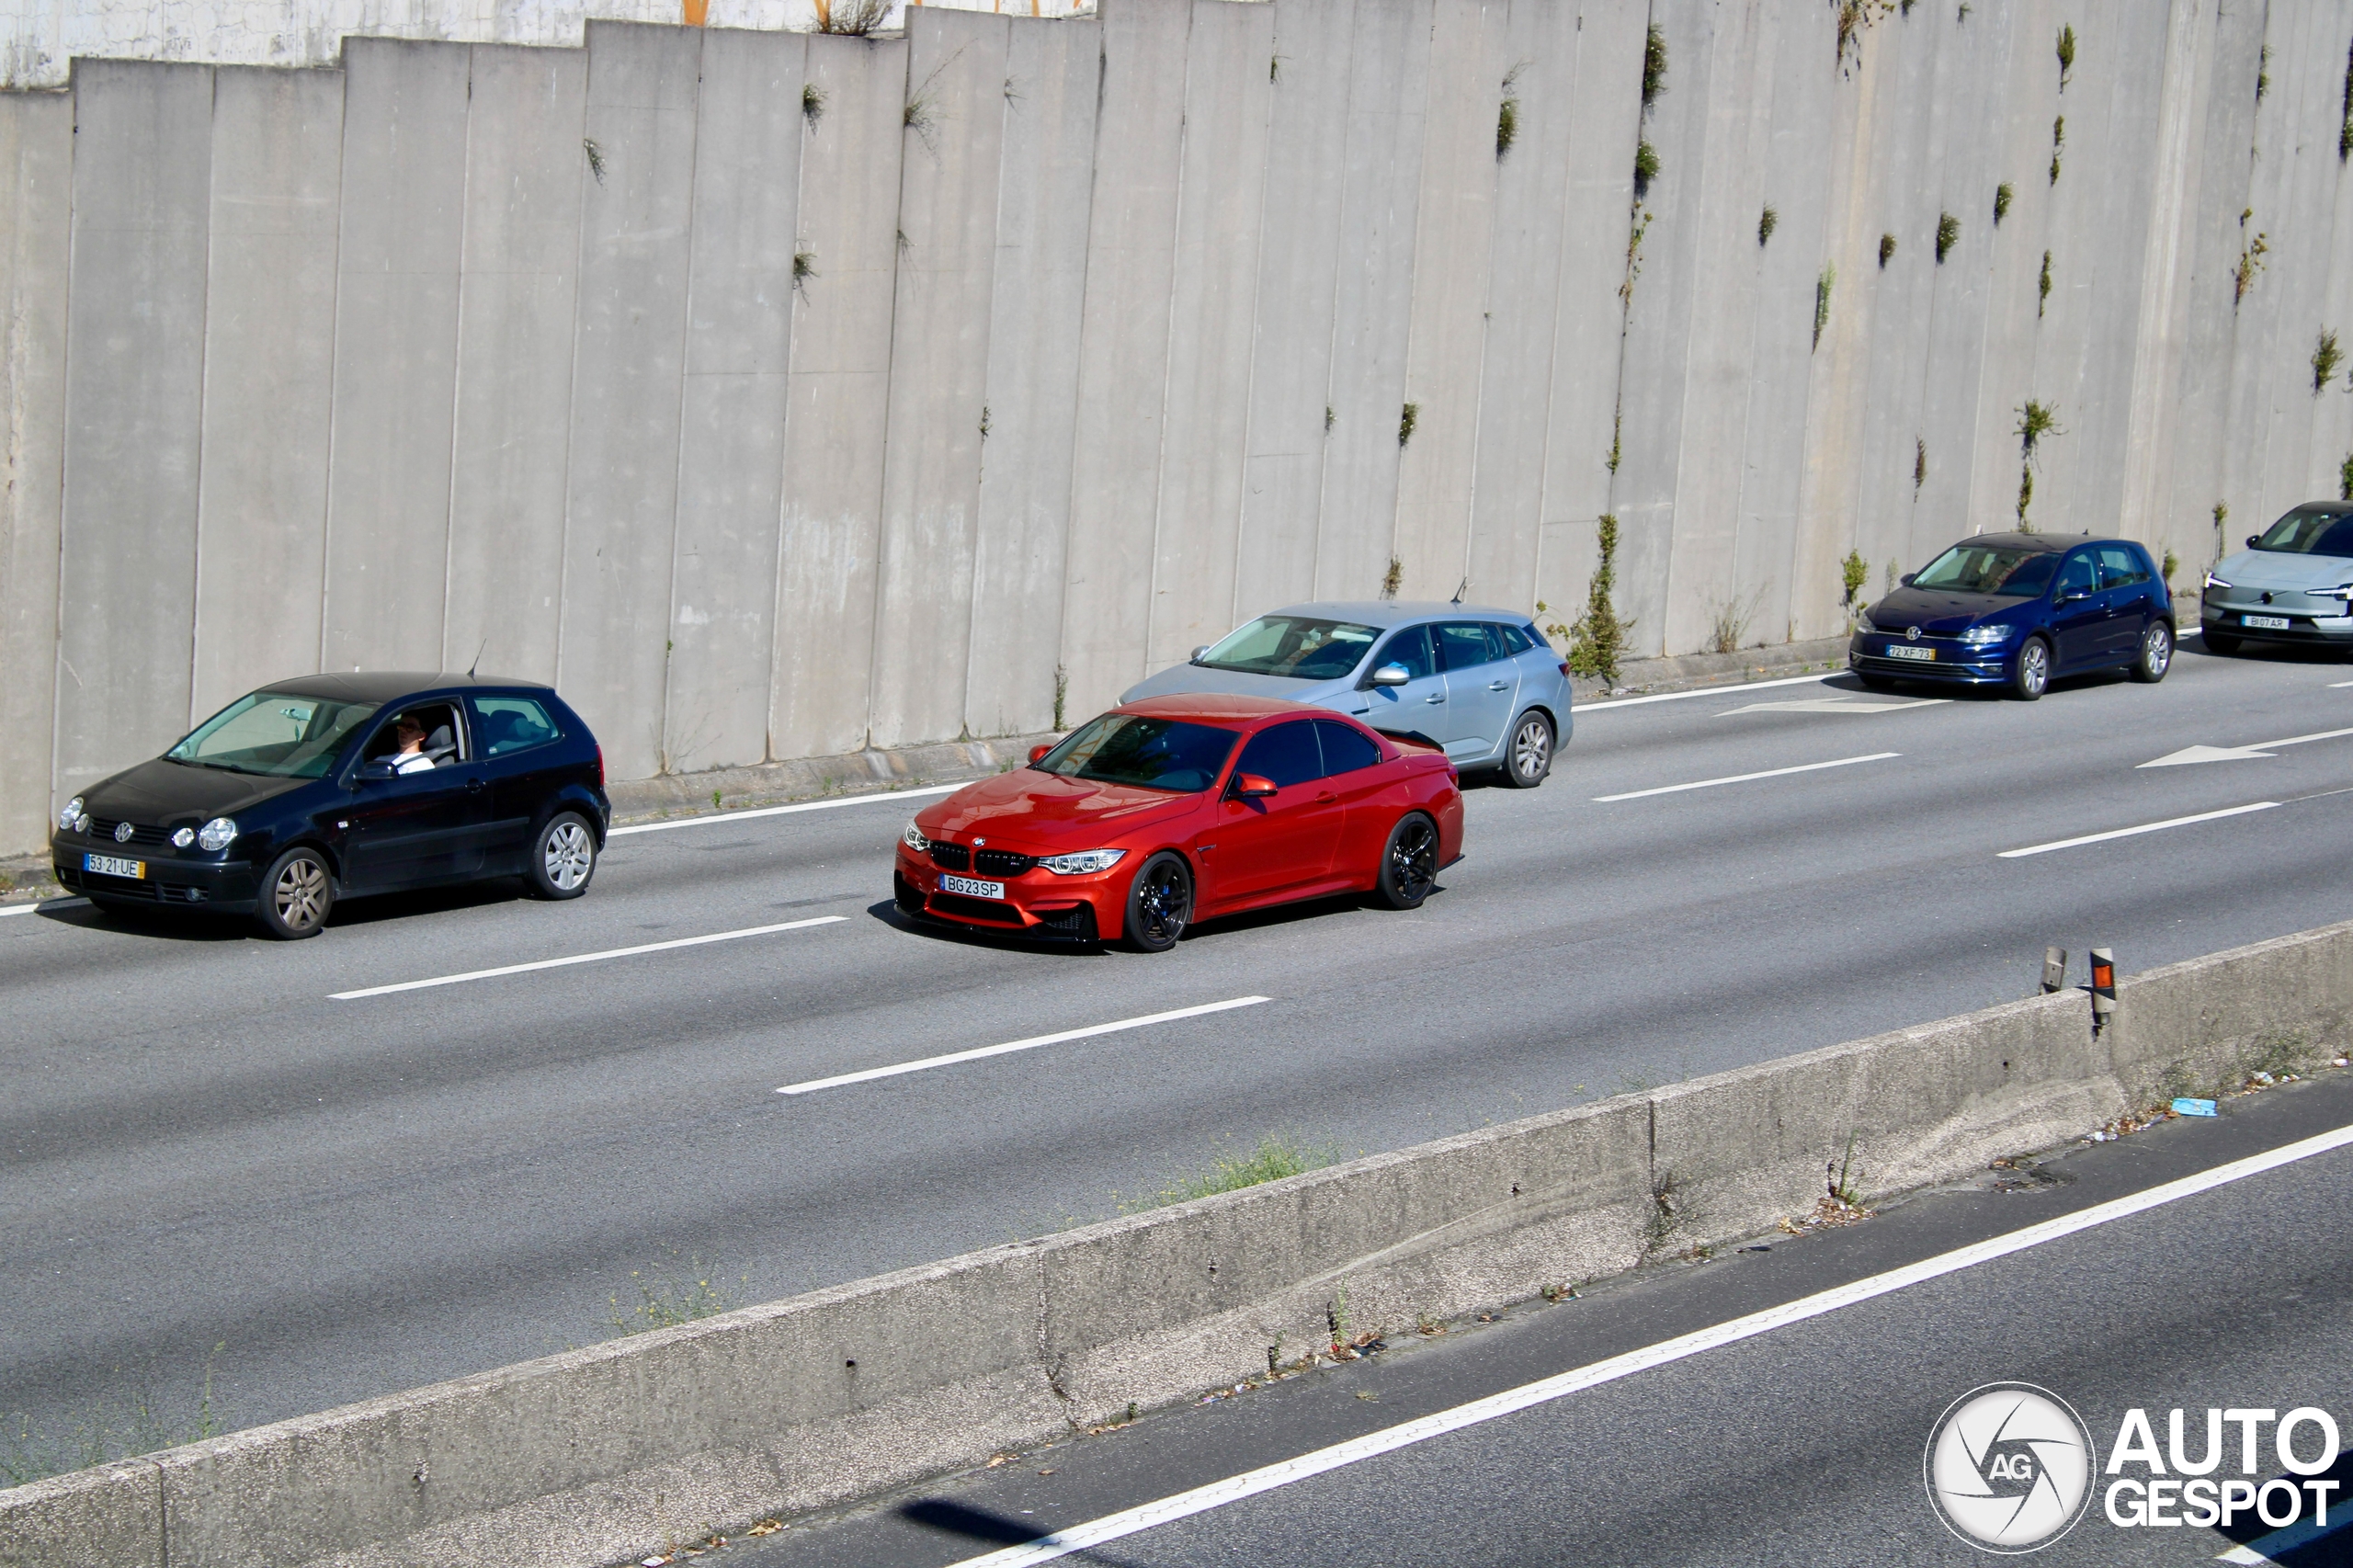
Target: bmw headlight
<point>1984,636</point>
<point>70,816</point>
<point>2214,582</point>
<point>913,839</point>
<point>1084,862</point>
<point>218,834</point>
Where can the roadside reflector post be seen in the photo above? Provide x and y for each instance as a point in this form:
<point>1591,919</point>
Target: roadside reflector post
<point>2103,987</point>
<point>2055,969</point>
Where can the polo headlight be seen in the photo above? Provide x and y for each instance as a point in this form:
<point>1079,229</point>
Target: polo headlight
<point>69,820</point>
<point>1081,863</point>
<point>913,839</point>
<point>1985,636</point>
<point>2214,582</point>
<point>218,834</point>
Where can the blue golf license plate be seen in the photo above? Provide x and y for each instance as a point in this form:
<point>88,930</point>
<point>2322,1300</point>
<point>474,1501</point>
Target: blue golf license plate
<point>113,866</point>
<point>1905,650</point>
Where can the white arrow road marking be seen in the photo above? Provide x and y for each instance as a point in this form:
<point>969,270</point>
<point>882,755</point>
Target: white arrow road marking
<point>2238,754</point>
<point>1835,705</point>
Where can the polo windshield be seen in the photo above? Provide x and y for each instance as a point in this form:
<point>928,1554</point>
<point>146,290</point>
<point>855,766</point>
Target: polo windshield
<point>1989,569</point>
<point>1155,753</point>
<point>2312,531</point>
<point>274,733</point>
<point>1298,646</point>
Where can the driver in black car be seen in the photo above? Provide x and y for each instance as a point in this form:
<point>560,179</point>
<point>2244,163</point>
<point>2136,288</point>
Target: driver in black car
<point>408,732</point>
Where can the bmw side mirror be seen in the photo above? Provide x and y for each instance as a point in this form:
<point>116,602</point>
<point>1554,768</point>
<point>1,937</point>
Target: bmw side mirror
<point>1392,675</point>
<point>1197,653</point>
<point>1905,581</point>
<point>1038,752</point>
<point>1253,784</point>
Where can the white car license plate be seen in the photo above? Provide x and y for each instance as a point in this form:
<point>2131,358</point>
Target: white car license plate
<point>109,866</point>
<point>1903,651</point>
<point>970,887</point>
<point>2269,622</point>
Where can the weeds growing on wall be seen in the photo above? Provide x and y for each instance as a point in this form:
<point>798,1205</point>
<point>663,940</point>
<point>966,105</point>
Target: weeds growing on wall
<point>2345,113</point>
<point>2058,141</point>
<point>1822,286</point>
<point>2172,565</point>
<point>2036,420</point>
<point>1646,167</point>
<point>1947,235</point>
<point>1407,417</point>
<point>2221,523</point>
<point>1886,250</point>
<point>2003,194</point>
<point>2066,56</point>
<point>2250,263</point>
<point>664,1302</point>
<point>1507,112</point>
<point>1728,625</point>
<point>2326,358</point>
<point>1766,222</point>
<point>813,102</point>
<point>1653,65</point>
<point>1393,579</point>
<point>1276,1156</point>
<point>2042,287</point>
<point>1597,640</point>
<point>1853,572</point>
<point>2345,479</point>
<point>804,268</point>
<point>1330,418</point>
<point>854,18</point>
<point>596,158</point>
<point>1062,694</point>
<point>1919,462</point>
<point>113,1427</point>
<point>1616,433</point>
<point>985,422</point>
<point>2263,73</point>
<point>1854,15</point>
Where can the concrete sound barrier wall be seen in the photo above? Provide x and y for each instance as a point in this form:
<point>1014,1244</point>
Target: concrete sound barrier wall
<point>784,394</point>
<point>602,1454</point>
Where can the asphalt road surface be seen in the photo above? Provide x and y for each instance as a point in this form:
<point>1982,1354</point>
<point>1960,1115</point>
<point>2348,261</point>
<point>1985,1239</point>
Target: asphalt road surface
<point>214,1167</point>
<point>1800,1445</point>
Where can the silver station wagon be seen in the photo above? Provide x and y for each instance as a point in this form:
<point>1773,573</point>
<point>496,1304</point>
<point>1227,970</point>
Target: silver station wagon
<point>1482,683</point>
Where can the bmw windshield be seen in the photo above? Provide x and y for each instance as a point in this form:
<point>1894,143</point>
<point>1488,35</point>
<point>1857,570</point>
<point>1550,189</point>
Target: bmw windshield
<point>1155,753</point>
<point>1989,569</point>
<point>275,734</point>
<point>2310,531</point>
<point>1298,646</point>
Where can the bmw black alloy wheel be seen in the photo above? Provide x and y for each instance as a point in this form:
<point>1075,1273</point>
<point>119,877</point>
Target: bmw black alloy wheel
<point>1160,904</point>
<point>1410,869</point>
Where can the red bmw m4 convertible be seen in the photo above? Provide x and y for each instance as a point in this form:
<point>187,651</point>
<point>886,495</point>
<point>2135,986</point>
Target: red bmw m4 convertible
<point>1173,810</point>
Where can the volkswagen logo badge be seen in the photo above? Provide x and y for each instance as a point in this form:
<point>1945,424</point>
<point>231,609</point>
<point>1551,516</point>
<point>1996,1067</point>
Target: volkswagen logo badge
<point>1911,635</point>
<point>122,832</point>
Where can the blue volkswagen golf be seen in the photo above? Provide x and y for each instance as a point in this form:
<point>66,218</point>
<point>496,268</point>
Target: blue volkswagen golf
<point>2014,610</point>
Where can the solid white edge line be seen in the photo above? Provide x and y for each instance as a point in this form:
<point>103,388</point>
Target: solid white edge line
<point>1726,690</point>
<point>1745,778</point>
<point>2280,1543</point>
<point>782,811</point>
<point>2129,831</point>
<point>1112,1527</point>
<point>586,957</point>
<point>44,903</point>
<point>813,1084</point>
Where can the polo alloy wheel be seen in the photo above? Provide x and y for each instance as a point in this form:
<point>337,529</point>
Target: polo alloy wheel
<point>564,859</point>
<point>297,896</point>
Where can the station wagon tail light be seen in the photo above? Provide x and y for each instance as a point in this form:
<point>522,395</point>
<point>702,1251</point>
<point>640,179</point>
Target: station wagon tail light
<point>1082,862</point>
<point>913,839</point>
<point>1564,668</point>
<point>218,834</point>
<point>70,816</point>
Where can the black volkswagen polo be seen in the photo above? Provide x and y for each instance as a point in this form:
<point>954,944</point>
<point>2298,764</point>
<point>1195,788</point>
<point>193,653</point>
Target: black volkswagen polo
<point>335,786</point>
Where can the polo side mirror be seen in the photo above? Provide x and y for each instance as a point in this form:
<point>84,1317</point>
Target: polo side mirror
<point>1392,675</point>
<point>1905,581</point>
<point>1253,784</point>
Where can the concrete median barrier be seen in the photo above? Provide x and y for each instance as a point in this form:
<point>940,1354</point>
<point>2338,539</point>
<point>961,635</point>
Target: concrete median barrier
<point>607,1453</point>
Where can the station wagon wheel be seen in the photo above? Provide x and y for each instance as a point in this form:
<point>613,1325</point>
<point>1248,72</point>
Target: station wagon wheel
<point>563,856</point>
<point>296,893</point>
<point>1531,756</point>
<point>1159,903</point>
<point>2156,654</point>
<point>2030,676</point>
<point>1409,862</point>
